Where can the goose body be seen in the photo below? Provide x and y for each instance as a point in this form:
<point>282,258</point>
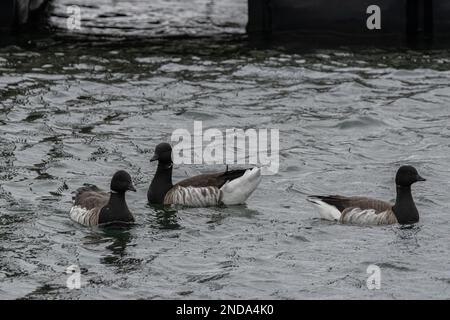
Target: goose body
<point>230,187</point>
<point>368,211</point>
<point>354,210</point>
<point>92,206</point>
<point>216,189</point>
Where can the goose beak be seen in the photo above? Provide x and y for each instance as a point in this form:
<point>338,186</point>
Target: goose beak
<point>419,178</point>
<point>154,158</point>
<point>131,188</point>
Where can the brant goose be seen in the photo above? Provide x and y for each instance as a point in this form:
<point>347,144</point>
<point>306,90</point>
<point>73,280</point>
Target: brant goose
<point>367,211</point>
<point>92,206</point>
<point>229,187</point>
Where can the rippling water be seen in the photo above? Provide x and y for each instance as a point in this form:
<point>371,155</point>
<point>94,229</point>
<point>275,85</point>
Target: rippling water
<point>154,18</point>
<point>74,111</point>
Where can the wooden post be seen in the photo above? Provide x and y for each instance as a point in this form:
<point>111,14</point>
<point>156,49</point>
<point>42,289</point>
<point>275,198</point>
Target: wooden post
<point>7,13</point>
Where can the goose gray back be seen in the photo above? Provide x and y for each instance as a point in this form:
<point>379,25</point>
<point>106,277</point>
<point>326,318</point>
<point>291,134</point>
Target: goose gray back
<point>93,206</point>
<point>368,211</point>
<point>230,187</point>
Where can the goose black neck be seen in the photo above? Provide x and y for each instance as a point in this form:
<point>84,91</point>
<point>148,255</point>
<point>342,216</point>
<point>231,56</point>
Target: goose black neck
<point>164,171</point>
<point>116,210</point>
<point>116,196</point>
<point>405,209</point>
<point>161,184</point>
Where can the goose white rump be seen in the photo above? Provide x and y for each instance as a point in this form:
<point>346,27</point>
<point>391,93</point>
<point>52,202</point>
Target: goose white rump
<point>326,211</point>
<point>238,190</point>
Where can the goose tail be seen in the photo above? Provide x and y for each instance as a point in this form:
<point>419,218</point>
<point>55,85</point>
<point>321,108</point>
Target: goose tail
<point>326,211</point>
<point>238,190</point>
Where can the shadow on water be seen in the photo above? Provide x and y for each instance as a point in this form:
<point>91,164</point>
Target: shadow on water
<point>406,236</point>
<point>120,237</point>
<point>165,217</point>
<point>223,212</point>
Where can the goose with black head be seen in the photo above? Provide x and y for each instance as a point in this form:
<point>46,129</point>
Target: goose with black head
<point>229,188</point>
<point>368,211</point>
<point>93,206</point>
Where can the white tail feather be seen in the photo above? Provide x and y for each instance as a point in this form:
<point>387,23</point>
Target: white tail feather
<point>326,211</point>
<point>238,190</point>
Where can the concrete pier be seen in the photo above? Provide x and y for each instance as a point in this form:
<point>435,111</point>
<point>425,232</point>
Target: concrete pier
<point>397,18</point>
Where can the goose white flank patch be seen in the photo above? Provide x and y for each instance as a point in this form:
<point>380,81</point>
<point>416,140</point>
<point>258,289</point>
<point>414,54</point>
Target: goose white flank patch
<point>93,206</point>
<point>231,187</point>
<point>367,211</point>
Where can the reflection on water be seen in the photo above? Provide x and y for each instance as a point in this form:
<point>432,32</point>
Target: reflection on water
<point>407,237</point>
<point>119,240</point>
<point>165,216</point>
<point>133,18</point>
